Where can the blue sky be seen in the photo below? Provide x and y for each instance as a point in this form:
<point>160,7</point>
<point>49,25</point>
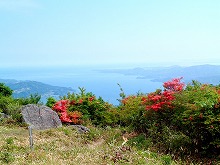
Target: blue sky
<point>106,32</point>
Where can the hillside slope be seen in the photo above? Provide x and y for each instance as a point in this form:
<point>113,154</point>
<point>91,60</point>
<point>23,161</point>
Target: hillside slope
<point>26,88</point>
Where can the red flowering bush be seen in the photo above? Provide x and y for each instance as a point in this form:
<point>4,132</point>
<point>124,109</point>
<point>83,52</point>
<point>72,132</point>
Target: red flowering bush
<point>61,107</point>
<point>161,100</point>
<point>154,109</point>
<point>83,106</point>
<point>199,116</point>
<point>159,104</point>
<point>177,119</point>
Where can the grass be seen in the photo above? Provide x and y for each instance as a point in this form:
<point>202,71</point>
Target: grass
<point>65,146</point>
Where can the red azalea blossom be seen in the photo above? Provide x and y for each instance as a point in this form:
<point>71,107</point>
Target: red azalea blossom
<point>156,107</point>
<point>125,100</point>
<point>65,118</point>
<point>190,118</point>
<point>156,98</point>
<point>91,98</point>
<point>73,102</point>
<point>74,116</point>
<point>80,101</point>
<point>143,99</point>
<point>61,106</point>
<point>71,117</point>
<point>174,85</point>
<point>163,99</point>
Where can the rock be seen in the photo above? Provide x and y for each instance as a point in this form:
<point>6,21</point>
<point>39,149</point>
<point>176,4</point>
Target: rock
<point>81,128</point>
<point>40,117</point>
<point>3,115</point>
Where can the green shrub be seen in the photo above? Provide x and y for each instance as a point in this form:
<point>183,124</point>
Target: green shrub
<point>32,99</point>
<point>14,110</point>
<point>132,113</point>
<point>91,108</point>
<point>50,102</point>
<point>166,159</point>
<point>4,101</point>
<point>199,105</point>
<point>11,107</point>
<point>175,141</point>
<point>178,120</point>
<point>141,142</point>
<point>5,90</point>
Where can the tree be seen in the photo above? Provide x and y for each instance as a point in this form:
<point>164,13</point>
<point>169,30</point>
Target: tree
<point>32,99</point>
<point>50,102</point>
<point>5,90</point>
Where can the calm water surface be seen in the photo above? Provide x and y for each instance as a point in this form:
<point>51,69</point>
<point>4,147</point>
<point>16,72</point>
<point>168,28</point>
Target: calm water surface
<point>101,84</point>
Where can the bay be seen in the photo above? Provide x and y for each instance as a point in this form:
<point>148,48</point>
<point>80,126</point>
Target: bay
<point>101,84</point>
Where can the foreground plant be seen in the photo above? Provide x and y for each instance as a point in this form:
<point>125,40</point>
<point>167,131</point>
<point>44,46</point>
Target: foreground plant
<point>178,119</point>
<point>76,108</point>
<point>199,119</point>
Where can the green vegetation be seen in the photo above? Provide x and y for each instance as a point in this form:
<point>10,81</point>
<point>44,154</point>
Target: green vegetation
<point>64,146</point>
<point>5,90</point>
<point>175,125</point>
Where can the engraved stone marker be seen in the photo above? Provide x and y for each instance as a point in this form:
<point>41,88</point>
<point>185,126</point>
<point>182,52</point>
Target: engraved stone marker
<point>40,117</point>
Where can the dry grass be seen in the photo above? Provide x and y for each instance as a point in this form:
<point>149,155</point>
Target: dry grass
<point>65,146</point>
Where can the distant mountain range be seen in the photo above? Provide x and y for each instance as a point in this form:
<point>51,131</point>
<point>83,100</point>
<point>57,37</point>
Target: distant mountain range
<point>26,88</point>
<point>203,73</point>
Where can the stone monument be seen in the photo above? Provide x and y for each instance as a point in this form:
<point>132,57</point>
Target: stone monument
<point>40,117</point>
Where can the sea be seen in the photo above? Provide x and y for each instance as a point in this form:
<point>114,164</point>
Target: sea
<point>93,79</point>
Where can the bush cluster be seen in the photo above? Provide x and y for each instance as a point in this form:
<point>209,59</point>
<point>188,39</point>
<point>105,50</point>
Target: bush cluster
<point>11,106</point>
<point>178,119</point>
<point>181,119</point>
<point>77,108</point>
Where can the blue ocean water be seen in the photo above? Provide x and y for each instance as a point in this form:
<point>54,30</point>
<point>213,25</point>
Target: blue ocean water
<point>101,84</point>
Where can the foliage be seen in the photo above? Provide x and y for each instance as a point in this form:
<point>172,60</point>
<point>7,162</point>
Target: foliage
<point>141,142</point>
<point>162,100</point>
<point>159,104</point>
<point>5,90</point>
<point>176,118</point>
<point>32,99</point>
<point>11,106</point>
<point>132,113</point>
<point>122,93</point>
<point>50,101</point>
<point>200,116</point>
<point>4,102</point>
<point>6,151</point>
<point>74,107</point>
